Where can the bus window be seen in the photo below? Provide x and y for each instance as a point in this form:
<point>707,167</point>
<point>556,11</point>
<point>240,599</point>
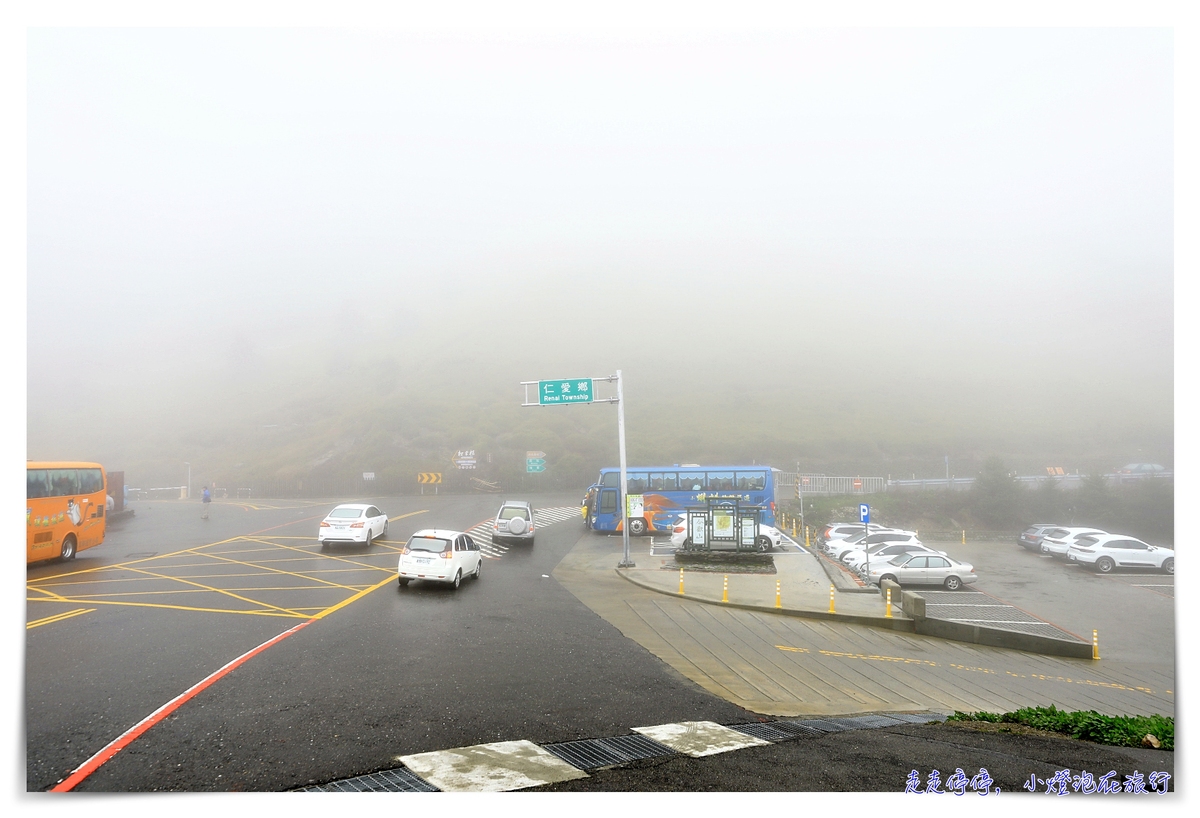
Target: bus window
<point>636,482</point>
<point>611,479</point>
<point>691,481</point>
<point>38,481</point>
<point>720,481</point>
<point>64,482</point>
<point>751,481</point>
<point>663,481</point>
<point>90,481</point>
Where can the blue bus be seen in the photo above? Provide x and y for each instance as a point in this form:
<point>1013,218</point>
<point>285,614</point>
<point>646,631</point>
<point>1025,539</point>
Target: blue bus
<point>668,490</point>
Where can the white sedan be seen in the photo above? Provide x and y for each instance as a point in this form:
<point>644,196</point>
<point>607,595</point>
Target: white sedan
<point>1104,552</point>
<point>439,555</point>
<point>924,569</point>
<point>769,537</point>
<point>885,551</point>
<point>352,522</point>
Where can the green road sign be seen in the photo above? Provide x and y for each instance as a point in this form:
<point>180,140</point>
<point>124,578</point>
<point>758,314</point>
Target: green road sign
<point>570,390</point>
<point>535,464</point>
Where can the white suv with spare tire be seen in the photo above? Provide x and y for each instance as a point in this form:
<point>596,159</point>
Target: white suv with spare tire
<point>513,523</point>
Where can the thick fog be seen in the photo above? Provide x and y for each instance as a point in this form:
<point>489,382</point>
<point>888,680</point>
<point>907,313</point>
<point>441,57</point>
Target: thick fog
<point>923,240</point>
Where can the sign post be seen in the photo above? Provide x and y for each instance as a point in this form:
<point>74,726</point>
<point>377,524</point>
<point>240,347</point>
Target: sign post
<point>581,390</point>
<point>864,514</point>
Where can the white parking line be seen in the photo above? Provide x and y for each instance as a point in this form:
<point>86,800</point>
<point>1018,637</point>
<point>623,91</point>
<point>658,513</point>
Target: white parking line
<point>499,767</point>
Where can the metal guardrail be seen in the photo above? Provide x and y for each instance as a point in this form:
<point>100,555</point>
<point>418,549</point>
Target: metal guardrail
<point>820,484</point>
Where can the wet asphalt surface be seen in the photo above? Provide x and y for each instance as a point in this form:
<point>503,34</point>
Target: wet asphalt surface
<point>512,656</point>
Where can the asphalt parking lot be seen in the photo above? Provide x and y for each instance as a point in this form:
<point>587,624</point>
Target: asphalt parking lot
<point>1133,612</point>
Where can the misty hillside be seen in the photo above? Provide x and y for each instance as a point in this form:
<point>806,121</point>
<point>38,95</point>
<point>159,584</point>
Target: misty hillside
<point>301,254</point>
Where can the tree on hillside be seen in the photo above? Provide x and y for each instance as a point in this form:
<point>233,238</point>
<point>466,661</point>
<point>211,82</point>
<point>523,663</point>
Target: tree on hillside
<point>993,500</point>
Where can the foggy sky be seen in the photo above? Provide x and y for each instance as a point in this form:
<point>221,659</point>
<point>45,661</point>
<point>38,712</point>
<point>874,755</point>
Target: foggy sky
<point>968,209</point>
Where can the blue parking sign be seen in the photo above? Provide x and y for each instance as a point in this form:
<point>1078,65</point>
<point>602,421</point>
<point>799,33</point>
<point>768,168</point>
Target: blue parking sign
<point>864,513</point>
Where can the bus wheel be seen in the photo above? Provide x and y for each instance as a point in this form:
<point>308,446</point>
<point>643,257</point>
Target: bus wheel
<point>637,526</point>
<point>68,551</point>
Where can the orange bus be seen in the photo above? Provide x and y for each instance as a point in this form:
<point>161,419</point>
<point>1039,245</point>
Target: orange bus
<point>64,510</point>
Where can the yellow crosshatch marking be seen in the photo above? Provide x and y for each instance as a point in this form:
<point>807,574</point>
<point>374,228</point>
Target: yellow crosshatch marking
<point>259,575</point>
<point>59,617</point>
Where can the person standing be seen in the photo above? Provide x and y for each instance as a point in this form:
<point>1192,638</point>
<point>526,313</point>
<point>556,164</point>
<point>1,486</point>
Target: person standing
<point>205,498</point>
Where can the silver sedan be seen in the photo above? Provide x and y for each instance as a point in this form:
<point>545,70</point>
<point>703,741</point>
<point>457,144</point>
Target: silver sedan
<point>924,569</point>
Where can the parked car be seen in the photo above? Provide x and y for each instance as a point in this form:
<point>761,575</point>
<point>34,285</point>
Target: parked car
<point>1142,469</point>
<point>843,547</point>
<point>924,569</point>
<point>884,551</point>
<point>1031,538</point>
<point>769,537</point>
<point>1056,541</point>
<point>514,522</point>
<point>352,522</point>
<point>439,555</point>
<point>839,531</point>
<point>1104,552</point>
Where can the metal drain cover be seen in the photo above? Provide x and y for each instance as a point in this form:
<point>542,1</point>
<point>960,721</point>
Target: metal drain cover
<point>594,753</point>
<point>397,780</point>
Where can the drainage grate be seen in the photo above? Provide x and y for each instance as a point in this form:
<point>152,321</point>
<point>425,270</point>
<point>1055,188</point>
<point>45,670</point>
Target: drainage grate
<point>799,729</point>
<point>400,779</point>
<point>767,731</point>
<point>594,753</point>
<point>823,725</point>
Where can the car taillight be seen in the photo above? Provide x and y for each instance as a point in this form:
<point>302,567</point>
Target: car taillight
<point>1084,550</point>
<point>679,529</point>
<point>447,555</point>
<point>772,506</point>
<point>405,550</point>
<point>324,524</point>
<point>356,525</point>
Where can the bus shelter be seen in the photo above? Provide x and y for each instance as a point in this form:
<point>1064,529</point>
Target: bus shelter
<point>722,525</point>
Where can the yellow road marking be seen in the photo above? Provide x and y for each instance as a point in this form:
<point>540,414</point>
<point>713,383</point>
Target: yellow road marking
<point>275,571</point>
<point>354,598</point>
<point>57,617</point>
<point>793,650</point>
<point>288,615</point>
<point>901,659</point>
<point>217,591</point>
<point>40,590</point>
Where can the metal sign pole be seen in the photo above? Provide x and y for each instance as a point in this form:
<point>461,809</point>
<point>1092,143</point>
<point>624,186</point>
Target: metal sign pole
<point>626,562</point>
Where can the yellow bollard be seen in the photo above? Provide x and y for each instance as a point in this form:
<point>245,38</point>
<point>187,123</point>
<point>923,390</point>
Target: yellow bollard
<point>681,582</point>
<point>778,597</point>
<point>807,544</point>
<point>964,542</point>
<point>793,529</point>
<point>1095,645</point>
<point>831,599</point>
<point>889,604</point>
<point>725,592</point>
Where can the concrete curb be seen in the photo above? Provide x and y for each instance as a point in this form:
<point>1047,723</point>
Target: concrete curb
<point>839,576</point>
<point>898,623</point>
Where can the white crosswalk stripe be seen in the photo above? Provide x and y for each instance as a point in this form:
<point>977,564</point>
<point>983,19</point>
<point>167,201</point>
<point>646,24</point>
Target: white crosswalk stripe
<point>542,517</point>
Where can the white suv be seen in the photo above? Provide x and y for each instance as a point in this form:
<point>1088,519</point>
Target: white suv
<point>514,522</point>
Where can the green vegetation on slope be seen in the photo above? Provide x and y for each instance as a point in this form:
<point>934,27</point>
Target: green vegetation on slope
<point>1088,725</point>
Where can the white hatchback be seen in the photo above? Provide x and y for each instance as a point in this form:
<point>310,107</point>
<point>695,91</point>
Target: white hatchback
<point>353,522</point>
<point>440,556</point>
